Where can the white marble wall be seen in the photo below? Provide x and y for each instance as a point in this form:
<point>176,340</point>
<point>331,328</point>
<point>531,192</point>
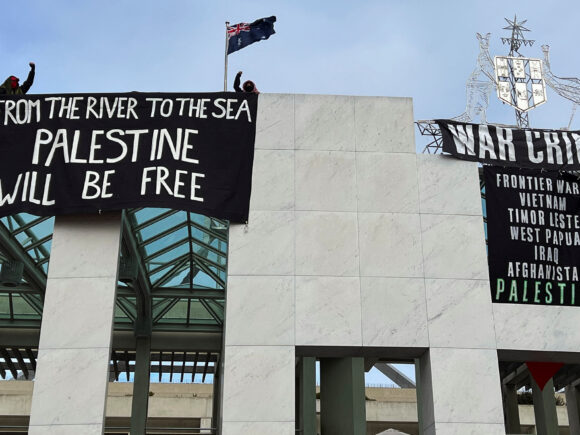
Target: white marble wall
<point>70,387</point>
<point>355,240</point>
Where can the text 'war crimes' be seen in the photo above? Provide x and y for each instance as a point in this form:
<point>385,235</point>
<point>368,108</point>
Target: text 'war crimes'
<point>493,143</point>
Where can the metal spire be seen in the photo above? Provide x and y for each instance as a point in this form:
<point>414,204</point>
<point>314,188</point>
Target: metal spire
<point>517,38</point>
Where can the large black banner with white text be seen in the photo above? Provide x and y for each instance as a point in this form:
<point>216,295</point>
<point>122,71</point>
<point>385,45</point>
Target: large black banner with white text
<point>533,230</point>
<point>82,153</point>
<point>496,145</point>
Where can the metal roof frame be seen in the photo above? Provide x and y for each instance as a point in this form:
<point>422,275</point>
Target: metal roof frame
<point>196,277</point>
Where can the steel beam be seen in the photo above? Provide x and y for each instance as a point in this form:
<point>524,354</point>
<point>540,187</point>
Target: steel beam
<point>19,324</point>
<point>395,375</point>
<point>511,408</point>
<point>21,363</point>
<point>518,377</point>
<point>14,250</point>
<point>22,289</point>
<point>142,287</point>
<point>342,396</point>
<point>306,396</point>
<point>545,408</point>
<point>217,396</point>
<point>419,394</point>
<point>140,402</point>
<point>573,407</point>
<point>8,360</point>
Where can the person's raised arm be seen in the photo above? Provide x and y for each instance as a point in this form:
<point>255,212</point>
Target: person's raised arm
<point>29,80</point>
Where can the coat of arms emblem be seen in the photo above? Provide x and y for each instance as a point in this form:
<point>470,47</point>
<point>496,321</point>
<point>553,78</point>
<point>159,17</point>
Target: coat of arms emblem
<point>520,82</point>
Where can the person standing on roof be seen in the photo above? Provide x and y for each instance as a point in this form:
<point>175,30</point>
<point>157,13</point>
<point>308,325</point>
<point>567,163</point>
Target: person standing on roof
<point>248,86</point>
<point>11,85</point>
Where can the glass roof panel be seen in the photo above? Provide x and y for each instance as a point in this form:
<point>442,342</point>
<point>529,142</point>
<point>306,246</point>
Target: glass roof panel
<point>199,311</point>
<point>19,219</point>
<point>172,220</point>
<point>179,278</point>
<point>145,214</point>
<point>182,247</point>
<point>14,307</point>
<point>42,228</point>
<point>4,306</point>
<point>204,280</point>
<point>173,269</point>
<point>178,313</point>
<point>180,253</point>
<point>33,233</point>
<point>167,240</point>
<point>40,252</point>
<point>21,308</point>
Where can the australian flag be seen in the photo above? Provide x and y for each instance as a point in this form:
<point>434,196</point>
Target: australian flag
<point>243,34</point>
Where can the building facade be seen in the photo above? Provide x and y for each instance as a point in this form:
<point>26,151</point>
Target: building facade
<point>358,250</point>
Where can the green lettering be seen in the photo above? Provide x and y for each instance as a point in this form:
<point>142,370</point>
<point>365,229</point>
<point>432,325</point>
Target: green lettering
<point>513,291</point>
<point>562,288</point>
<point>548,293</point>
<point>525,296</point>
<point>499,287</point>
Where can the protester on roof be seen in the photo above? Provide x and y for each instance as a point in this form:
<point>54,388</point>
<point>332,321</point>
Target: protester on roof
<point>248,86</point>
<point>11,85</point>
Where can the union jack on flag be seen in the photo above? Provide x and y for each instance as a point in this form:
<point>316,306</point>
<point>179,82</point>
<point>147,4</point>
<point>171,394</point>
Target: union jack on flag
<point>235,30</point>
<point>243,34</point>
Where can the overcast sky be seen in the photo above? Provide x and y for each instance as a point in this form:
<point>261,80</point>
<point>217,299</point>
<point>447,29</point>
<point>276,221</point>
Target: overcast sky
<point>409,48</point>
<point>420,49</point>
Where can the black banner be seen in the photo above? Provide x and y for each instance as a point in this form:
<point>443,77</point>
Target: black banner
<point>530,148</point>
<point>80,153</point>
<point>533,230</point>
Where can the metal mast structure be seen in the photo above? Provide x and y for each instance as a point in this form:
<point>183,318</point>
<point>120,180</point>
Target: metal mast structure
<point>519,82</point>
<point>515,41</point>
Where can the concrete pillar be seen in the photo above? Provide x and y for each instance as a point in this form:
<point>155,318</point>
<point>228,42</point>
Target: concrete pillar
<point>70,388</point>
<point>573,406</point>
<point>205,426</point>
<point>140,402</point>
<point>342,396</point>
<point>306,396</point>
<point>258,392</point>
<point>545,409</point>
<point>259,365</point>
<point>450,403</point>
<point>512,414</point>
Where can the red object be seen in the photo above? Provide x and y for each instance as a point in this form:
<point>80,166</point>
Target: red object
<point>542,372</point>
<point>14,83</point>
<point>236,29</point>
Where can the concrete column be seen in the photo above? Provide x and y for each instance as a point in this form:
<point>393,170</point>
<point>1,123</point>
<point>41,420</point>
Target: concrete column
<point>70,388</point>
<point>573,406</point>
<point>259,353</point>
<point>512,414</point>
<point>342,396</point>
<point>306,396</point>
<point>205,426</point>
<point>545,408</point>
<point>140,403</point>
<point>450,403</point>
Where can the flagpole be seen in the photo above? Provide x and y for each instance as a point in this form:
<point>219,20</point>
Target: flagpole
<point>226,60</point>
